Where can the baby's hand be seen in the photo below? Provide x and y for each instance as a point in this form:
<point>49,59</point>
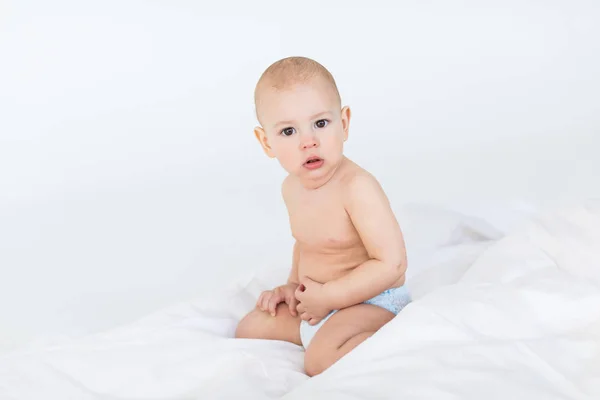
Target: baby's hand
<point>313,305</point>
<point>269,299</point>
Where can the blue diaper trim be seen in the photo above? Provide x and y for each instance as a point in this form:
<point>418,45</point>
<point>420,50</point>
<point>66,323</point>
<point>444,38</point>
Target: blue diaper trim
<point>393,300</point>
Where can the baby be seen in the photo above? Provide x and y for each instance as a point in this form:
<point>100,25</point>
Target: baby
<point>349,260</point>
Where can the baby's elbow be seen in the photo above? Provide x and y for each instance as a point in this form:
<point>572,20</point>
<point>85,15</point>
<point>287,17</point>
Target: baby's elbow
<point>398,267</point>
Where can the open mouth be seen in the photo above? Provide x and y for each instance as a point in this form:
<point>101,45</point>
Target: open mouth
<point>313,163</point>
<point>313,160</point>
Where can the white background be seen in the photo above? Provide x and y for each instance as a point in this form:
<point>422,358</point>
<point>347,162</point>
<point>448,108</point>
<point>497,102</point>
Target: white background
<point>130,178</point>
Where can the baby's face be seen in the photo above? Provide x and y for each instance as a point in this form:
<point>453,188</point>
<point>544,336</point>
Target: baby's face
<point>304,128</point>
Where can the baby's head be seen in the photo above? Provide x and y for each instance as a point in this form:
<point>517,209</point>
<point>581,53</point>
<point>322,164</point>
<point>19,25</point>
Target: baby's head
<point>302,122</point>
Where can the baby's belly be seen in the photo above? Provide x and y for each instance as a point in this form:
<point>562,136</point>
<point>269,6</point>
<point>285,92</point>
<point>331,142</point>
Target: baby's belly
<point>330,265</point>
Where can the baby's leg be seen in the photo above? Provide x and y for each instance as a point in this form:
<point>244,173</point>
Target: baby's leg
<point>260,324</point>
<point>345,330</point>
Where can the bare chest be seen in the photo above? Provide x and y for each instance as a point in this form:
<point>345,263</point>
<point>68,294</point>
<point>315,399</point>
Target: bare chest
<point>322,224</point>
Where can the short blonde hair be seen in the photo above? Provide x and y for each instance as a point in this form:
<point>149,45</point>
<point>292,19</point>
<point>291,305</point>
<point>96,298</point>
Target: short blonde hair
<point>290,71</point>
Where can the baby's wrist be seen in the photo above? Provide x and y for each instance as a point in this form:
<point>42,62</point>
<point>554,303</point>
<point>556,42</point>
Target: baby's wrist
<point>332,295</point>
<point>290,286</point>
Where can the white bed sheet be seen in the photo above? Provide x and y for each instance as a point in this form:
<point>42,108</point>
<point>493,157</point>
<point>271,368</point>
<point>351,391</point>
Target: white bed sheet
<point>515,318</point>
<point>523,322</point>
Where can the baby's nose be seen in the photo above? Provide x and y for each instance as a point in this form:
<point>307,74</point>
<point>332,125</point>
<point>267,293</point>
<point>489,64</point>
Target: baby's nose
<point>309,141</point>
<point>309,144</point>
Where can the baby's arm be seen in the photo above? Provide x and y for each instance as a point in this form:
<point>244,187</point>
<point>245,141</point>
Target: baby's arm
<point>372,216</point>
<point>293,278</point>
<point>285,193</point>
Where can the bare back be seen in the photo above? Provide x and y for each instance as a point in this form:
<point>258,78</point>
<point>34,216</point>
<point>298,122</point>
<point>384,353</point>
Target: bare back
<point>329,245</point>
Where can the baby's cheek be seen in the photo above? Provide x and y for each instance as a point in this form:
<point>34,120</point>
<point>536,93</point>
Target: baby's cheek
<point>333,139</point>
<point>290,155</point>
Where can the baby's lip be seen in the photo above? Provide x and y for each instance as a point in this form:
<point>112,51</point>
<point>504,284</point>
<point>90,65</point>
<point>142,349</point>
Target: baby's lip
<point>312,158</point>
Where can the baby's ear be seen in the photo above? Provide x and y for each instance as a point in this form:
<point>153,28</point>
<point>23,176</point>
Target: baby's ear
<point>261,136</point>
<point>346,121</point>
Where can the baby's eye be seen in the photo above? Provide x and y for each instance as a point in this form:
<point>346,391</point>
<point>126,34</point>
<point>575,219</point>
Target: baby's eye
<point>287,131</point>
<point>322,123</point>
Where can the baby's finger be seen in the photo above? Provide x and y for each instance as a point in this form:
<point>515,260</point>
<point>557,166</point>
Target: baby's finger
<point>292,303</point>
<point>305,317</point>
<point>300,308</point>
<point>314,321</point>
<point>273,302</point>
<point>259,302</point>
<point>265,302</point>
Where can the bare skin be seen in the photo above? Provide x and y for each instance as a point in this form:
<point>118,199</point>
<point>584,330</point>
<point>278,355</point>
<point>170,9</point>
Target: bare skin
<point>349,247</point>
<point>328,247</point>
<point>328,242</point>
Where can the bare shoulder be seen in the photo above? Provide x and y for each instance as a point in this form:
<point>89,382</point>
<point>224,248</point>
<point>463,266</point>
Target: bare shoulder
<point>359,184</point>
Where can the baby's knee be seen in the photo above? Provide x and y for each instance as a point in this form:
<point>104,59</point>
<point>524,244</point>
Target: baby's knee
<point>249,326</point>
<point>320,356</point>
<point>315,362</point>
<point>257,324</point>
